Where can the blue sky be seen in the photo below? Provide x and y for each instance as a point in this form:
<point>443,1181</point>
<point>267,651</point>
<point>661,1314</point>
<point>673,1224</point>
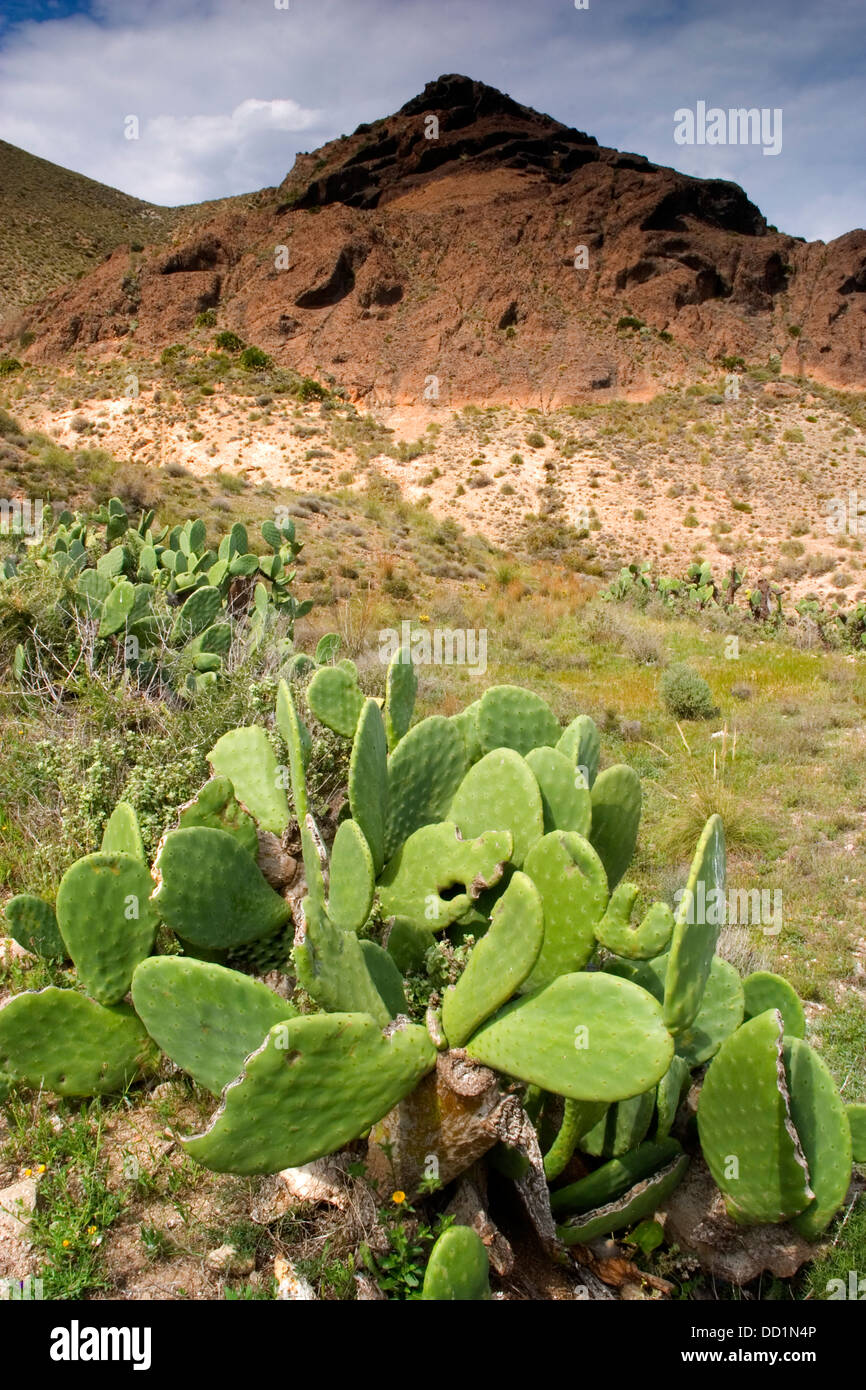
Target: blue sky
<point>227,91</point>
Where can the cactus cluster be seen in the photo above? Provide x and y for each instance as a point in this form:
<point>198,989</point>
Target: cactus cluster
<point>493,830</point>
<point>161,597</point>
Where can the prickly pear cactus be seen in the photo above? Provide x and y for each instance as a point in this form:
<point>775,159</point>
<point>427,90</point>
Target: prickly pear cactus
<point>458,1268</point>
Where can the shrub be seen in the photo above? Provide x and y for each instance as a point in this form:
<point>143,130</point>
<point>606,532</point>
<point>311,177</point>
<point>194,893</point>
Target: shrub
<point>629,321</point>
<point>685,694</point>
<point>8,365</point>
<point>228,341</point>
<point>253,359</point>
<point>206,319</point>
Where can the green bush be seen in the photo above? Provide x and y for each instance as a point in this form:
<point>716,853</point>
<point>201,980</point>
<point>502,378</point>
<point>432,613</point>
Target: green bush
<point>206,319</point>
<point>685,694</point>
<point>228,341</point>
<point>8,365</point>
<point>253,359</point>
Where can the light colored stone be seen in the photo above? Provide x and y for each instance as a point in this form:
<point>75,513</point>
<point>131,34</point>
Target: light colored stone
<point>226,1260</point>
<point>291,1286</point>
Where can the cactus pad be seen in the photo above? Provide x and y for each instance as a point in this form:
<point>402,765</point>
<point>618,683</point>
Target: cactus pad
<point>211,892</point>
<point>498,964</point>
<point>217,807</point>
<point>694,942</point>
<point>467,722</point>
<point>315,1084</point>
<point>635,1205</point>
<point>205,1018</point>
<point>571,880</point>
<point>401,685</point>
<point>857,1124</point>
<point>336,699</point>
<point>386,977</point>
<point>33,924</point>
<point>721,1011</point>
<point>745,1128</point>
<point>71,1045</point>
<point>330,965</point>
<point>500,793</point>
<point>622,1128</point>
<point>121,834</point>
<point>368,780</point>
<point>458,1268</point>
<point>616,805</point>
<point>509,717</point>
<point>424,772</point>
<point>581,743</point>
<point>246,757</point>
<point>642,942</point>
<point>351,878</point>
<point>818,1113</point>
<point>763,990</point>
<point>614,1178</point>
<point>435,859</point>
<point>107,921</point>
<point>587,1036</point>
<point>669,1094</point>
<point>566,802</point>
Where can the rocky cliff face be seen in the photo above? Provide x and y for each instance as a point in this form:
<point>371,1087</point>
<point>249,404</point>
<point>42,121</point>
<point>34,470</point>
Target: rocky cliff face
<point>470,249</point>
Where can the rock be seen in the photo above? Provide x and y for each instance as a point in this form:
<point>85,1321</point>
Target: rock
<point>368,1290</point>
<point>10,951</point>
<point>278,866</point>
<point>291,1286</point>
<point>694,1218</point>
<point>226,1260</point>
<point>17,1205</point>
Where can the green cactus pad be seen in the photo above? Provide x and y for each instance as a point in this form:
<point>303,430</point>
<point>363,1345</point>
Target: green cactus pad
<point>578,1117</point>
<point>571,880</point>
<point>401,685</point>
<point>424,772</point>
<point>498,964</point>
<point>822,1126</point>
<point>107,921</point>
<point>217,807</point>
<point>386,977</point>
<point>121,834</point>
<point>211,892</point>
<point>671,1089</point>
<point>408,944</point>
<point>565,800</point>
<point>857,1123</point>
<point>314,1085</point>
<point>33,924</point>
<point>330,965</point>
<point>500,793</point>
<point>693,943</point>
<point>205,1018</point>
<point>435,859</point>
<point>581,743</point>
<point>636,1205</point>
<point>458,1268</point>
<point>509,717</point>
<point>721,1011</point>
<point>116,609</point>
<point>763,990</point>
<point>622,1127</point>
<point>587,1036</point>
<point>71,1045</point>
<point>351,878</point>
<point>746,1133</point>
<point>246,757</point>
<point>612,1179</point>
<point>336,699</point>
<point>616,806</point>
<point>197,613</point>
<point>641,942</point>
<point>467,722</point>
<point>368,780</point>
<point>292,729</point>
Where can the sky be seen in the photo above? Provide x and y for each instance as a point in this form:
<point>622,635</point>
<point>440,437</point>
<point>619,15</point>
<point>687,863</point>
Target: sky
<point>226,92</point>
